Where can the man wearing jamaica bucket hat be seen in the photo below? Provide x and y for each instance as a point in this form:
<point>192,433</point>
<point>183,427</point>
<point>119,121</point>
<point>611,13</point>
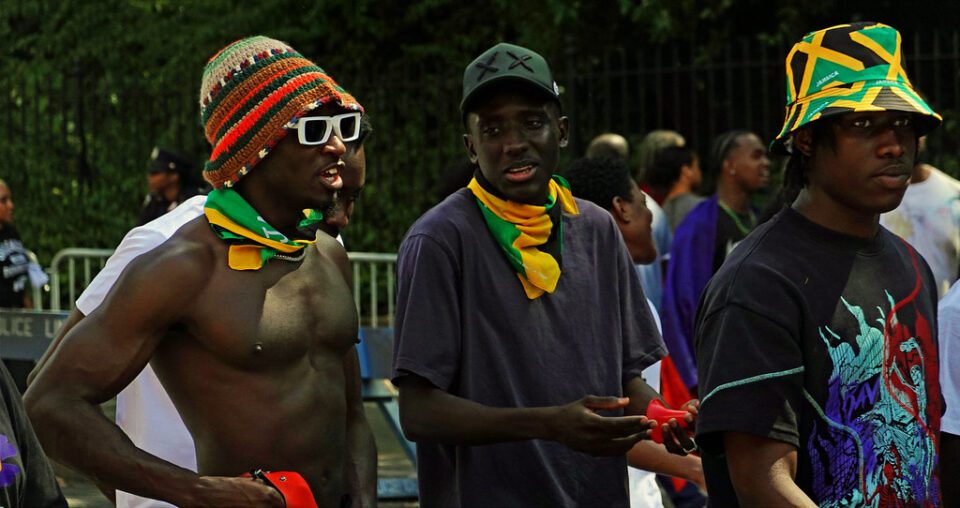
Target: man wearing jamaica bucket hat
<point>816,341</point>
<point>521,324</point>
<point>260,319</point>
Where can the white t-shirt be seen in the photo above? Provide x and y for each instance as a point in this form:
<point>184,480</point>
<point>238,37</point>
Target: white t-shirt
<point>644,491</point>
<point>949,332</point>
<point>144,410</point>
<point>929,218</point>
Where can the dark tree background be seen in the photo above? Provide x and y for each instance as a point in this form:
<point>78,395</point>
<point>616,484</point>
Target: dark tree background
<point>89,87</point>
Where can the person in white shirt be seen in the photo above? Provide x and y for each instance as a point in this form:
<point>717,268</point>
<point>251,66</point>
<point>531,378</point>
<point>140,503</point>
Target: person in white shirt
<point>949,327</point>
<point>929,218</point>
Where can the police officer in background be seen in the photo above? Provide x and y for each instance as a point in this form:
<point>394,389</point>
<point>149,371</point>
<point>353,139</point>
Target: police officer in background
<point>171,182</point>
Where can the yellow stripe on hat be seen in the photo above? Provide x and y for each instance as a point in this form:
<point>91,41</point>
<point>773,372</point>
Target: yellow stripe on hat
<point>864,104</point>
<point>815,52</point>
<point>791,86</point>
<point>894,60</point>
<point>899,92</point>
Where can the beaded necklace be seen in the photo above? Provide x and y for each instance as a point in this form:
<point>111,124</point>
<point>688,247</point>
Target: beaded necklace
<point>736,218</point>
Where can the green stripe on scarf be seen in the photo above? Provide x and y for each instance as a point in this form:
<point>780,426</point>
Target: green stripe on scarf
<point>252,240</point>
<point>504,233</point>
<point>530,236</point>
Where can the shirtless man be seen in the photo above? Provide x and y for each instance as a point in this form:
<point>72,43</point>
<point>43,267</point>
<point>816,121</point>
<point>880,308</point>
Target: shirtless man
<point>144,410</point>
<point>254,342</point>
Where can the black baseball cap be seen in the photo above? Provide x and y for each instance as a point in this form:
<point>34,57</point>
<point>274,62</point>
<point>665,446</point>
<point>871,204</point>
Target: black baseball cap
<point>165,160</point>
<point>507,62</point>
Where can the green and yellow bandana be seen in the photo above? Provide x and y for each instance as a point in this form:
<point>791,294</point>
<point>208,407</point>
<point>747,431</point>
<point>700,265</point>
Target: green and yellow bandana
<point>531,236</point>
<point>846,68</point>
<point>251,239</point>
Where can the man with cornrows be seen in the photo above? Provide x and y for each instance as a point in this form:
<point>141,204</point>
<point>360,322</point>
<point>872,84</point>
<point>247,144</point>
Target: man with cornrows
<point>254,344</point>
<point>705,238</point>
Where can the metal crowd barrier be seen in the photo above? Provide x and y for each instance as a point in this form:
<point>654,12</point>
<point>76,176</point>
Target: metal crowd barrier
<point>26,333</point>
<point>374,282</point>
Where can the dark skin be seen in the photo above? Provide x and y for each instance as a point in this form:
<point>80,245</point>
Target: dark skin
<point>515,138</point>
<point>850,183</point>
<point>280,338</point>
<point>743,173</point>
<point>165,183</point>
<point>361,477</point>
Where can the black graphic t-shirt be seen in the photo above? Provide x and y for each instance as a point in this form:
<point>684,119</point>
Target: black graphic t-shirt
<point>14,263</point>
<point>826,342</point>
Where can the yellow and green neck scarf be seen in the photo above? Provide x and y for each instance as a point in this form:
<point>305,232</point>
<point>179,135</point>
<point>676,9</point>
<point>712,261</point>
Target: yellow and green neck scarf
<point>531,236</point>
<point>251,239</point>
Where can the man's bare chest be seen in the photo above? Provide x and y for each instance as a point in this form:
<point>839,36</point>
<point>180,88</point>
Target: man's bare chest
<point>276,315</point>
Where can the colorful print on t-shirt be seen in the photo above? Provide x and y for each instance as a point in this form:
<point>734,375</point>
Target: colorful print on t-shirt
<point>8,471</point>
<point>873,444</point>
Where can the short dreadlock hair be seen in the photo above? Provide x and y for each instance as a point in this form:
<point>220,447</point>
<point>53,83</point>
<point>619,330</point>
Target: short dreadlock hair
<point>600,180</point>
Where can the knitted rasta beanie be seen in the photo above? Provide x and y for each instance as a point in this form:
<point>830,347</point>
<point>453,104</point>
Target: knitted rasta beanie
<point>253,91</point>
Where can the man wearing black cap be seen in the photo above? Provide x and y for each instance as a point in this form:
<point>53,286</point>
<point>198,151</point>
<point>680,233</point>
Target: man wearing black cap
<point>169,176</point>
<point>521,328</point>
<point>816,341</point>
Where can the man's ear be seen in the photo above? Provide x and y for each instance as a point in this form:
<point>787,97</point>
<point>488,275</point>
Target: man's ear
<point>471,151</point>
<point>725,167</point>
<point>564,124</point>
<point>620,210</point>
<point>803,141</point>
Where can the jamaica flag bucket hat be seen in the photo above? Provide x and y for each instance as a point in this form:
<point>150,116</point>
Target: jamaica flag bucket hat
<point>845,68</point>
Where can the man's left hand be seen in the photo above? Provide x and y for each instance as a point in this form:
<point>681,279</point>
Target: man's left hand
<point>679,440</point>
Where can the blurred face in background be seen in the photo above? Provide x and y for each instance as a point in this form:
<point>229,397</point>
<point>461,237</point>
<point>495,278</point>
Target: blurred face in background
<point>6,204</point>
<point>749,163</point>
<point>354,175</point>
<point>160,182</point>
<point>635,226</point>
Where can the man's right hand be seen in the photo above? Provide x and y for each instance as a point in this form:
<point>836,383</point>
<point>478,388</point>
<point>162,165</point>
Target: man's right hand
<point>579,427</point>
<point>237,491</point>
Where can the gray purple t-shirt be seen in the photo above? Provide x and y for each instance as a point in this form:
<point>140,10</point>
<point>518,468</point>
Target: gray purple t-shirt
<point>465,324</point>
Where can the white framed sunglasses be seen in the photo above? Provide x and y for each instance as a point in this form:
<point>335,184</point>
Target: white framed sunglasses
<point>316,130</point>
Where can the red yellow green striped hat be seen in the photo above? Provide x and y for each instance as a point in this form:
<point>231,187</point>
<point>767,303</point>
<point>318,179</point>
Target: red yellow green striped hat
<point>251,93</point>
<point>844,68</point>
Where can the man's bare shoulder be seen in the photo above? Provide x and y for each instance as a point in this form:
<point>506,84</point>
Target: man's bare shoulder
<point>331,250</point>
<point>187,257</point>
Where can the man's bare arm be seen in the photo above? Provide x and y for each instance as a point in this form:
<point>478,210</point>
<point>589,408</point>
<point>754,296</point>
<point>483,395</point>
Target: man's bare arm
<point>762,471</point>
<point>676,440</point>
<point>71,321</point>
<point>429,414</point>
<point>362,449</point>
<point>98,358</point>
<point>653,457</point>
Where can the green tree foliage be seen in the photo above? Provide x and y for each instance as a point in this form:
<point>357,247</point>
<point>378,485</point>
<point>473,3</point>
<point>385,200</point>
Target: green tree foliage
<point>88,87</point>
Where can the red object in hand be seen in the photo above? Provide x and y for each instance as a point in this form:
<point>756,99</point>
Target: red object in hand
<point>657,411</point>
<point>293,487</point>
